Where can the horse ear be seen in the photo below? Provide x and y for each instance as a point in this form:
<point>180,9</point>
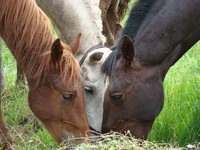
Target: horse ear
<point>56,51</point>
<point>96,56</point>
<point>75,44</point>
<point>127,50</point>
<point>118,31</point>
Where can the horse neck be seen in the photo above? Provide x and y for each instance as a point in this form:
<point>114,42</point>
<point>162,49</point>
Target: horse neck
<point>26,33</point>
<point>164,36</point>
<point>163,29</point>
<point>95,18</point>
<point>74,17</point>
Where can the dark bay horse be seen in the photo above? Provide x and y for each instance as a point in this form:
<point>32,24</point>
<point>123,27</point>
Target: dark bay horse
<point>157,34</point>
<point>56,94</point>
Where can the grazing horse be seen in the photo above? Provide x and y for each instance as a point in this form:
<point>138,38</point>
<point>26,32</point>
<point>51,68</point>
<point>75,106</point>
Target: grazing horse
<point>156,35</point>
<point>56,94</point>
<point>83,16</point>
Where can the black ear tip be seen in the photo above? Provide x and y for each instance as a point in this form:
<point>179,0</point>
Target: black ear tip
<point>56,44</point>
<point>57,40</point>
<point>127,38</point>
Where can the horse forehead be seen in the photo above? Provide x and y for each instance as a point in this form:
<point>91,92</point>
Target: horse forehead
<point>136,71</point>
<point>136,78</point>
<point>118,82</point>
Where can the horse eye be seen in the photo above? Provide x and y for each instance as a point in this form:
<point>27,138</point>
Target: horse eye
<point>117,97</point>
<point>67,97</point>
<point>88,89</point>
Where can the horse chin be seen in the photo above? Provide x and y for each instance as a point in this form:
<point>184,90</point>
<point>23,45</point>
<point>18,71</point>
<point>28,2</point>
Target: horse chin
<point>64,131</point>
<point>136,128</point>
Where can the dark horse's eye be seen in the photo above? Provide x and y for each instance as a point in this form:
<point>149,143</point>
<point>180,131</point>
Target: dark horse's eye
<point>88,89</point>
<point>67,97</point>
<point>118,96</point>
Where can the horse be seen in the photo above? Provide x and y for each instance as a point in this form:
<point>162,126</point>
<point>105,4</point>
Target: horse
<point>85,17</point>
<point>156,35</point>
<point>56,93</point>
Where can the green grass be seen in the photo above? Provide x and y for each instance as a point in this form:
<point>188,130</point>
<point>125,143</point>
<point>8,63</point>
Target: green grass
<point>179,120</point>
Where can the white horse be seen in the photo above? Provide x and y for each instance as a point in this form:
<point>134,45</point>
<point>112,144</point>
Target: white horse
<point>69,18</point>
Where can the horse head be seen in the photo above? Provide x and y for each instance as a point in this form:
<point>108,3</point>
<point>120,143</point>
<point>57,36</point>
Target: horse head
<point>134,96</point>
<point>94,86</point>
<point>138,65</point>
<point>58,100</point>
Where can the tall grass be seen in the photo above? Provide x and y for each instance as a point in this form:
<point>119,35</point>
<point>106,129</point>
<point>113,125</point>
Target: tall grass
<point>179,120</point>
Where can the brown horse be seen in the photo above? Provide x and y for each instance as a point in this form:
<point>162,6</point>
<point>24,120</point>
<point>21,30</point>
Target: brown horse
<point>112,12</point>
<point>53,74</point>
<point>156,35</point>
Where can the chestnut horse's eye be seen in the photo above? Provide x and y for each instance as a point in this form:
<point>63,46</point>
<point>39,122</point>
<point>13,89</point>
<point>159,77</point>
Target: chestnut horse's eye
<point>68,97</point>
<point>88,89</point>
<point>118,96</point>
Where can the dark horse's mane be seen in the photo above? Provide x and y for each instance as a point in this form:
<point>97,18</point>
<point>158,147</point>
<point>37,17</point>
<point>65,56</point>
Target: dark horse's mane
<point>137,15</point>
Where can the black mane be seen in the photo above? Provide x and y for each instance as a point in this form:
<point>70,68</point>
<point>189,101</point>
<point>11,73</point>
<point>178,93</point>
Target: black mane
<point>137,14</point>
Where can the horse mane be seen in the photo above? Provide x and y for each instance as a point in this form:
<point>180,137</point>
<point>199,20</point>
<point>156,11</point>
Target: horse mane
<point>122,8</point>
<point>25,29</point>
<point>136,16</point>
<point>95,15</point>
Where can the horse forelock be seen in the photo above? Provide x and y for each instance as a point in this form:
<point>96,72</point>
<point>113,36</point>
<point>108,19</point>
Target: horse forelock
<point>70,69</point>
<point>109,63</point>
<point>67,68</point>
<point>26,31</point>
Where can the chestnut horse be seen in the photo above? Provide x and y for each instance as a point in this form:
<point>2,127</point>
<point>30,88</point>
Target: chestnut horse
<point>156,35</point>
<point>56,94</point>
